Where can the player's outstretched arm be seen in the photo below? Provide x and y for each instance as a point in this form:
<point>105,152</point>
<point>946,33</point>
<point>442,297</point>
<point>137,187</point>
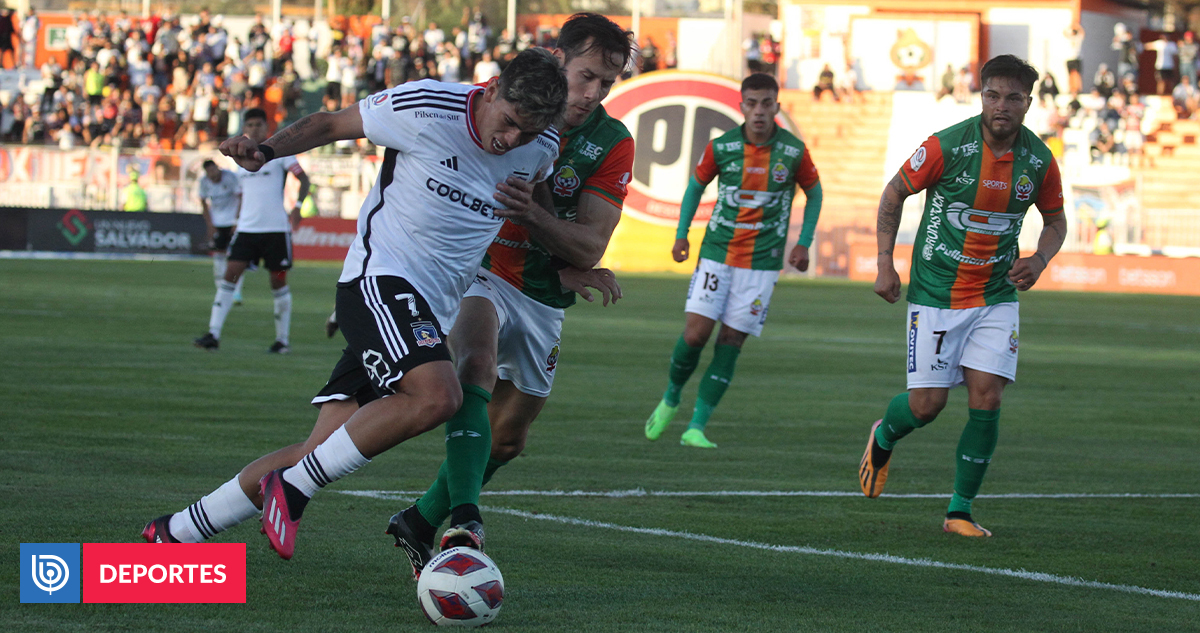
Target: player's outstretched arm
<point>1026,271</point>
<point>601,279</point>
<point>580,243</point>
<point>312,131</point>
<point>891,205</point>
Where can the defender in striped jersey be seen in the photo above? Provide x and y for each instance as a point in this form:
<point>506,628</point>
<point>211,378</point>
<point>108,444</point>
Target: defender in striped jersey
<point>507,332</point>
<point>759,165</point>
<point>980,177</point>
<point>422,232</point>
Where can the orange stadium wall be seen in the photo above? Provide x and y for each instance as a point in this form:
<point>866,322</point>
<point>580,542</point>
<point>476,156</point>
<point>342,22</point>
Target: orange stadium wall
<point>1072,271</point>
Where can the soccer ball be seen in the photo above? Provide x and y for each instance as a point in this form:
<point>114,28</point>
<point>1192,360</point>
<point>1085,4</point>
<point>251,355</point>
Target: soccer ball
<point>460,587</point>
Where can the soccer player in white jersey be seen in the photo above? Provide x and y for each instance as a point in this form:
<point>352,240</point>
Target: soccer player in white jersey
<point>264,233</point>
<point>220,194</point>
<point>422,232</point>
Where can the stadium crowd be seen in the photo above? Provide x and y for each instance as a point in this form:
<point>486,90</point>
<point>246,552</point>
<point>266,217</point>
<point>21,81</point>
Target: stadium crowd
<point>175,82</point>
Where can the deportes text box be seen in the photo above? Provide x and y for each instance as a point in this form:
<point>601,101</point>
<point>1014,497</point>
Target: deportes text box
<point>164,573</point>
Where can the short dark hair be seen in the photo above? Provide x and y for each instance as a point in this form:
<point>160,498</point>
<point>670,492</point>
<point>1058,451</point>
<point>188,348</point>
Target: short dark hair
<point>535,84</point>
<point>208,162</point>
<point>254,113</point>
<point>583,33</point>
<point>1009,66</point>
<point>760,81</point>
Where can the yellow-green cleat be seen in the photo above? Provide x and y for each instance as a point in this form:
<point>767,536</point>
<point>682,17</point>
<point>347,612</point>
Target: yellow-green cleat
<point>658,421</point>
<point>696,439</point>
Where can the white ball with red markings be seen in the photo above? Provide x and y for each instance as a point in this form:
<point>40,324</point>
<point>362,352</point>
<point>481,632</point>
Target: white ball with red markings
<point>461,587</point>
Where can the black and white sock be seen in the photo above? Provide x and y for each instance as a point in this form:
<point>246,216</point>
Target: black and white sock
<point>218,511</point>
<point>283,314</point>
<point>335,458</point>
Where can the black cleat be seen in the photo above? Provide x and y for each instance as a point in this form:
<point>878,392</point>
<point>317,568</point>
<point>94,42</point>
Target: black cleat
<point>208,342</point>
<point>419,552</point>
<point>279,347</point>
<point>159,531</point>
<point>469,534</point>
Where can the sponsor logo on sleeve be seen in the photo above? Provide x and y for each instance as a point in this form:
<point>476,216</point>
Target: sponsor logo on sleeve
<point>918,159</point>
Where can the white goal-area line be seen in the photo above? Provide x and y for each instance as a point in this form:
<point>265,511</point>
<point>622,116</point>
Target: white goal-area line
<point>800,549</point>
<point>639,492</point>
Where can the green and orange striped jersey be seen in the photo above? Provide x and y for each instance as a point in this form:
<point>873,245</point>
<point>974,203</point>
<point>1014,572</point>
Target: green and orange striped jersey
<point>596,159</point>
<point>756,183</point>
<point>974,206</point>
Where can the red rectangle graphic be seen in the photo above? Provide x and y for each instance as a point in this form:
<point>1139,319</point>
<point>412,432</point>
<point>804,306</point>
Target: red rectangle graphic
<point>163,573</point>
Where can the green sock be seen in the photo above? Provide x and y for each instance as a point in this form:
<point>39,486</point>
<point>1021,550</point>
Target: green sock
<point>974,453</point>
<point>897,422</point>
<point>468,446</point>
<point>683,362</point>
<point>434,505</point>
<point>715,382</point>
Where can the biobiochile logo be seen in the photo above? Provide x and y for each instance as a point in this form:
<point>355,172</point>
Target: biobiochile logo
<point>49,572</point>
<point>74,226</point>
<point>133,572</point>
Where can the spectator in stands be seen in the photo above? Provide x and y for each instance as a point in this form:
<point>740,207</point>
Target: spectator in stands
<point>649,54</point>
<point>1165,74</point>
<point>29,38</point>
<point>8,29</point>
<point>753,53</point>
<point>1128,48</point>
<point>486,69</point>
<point>1131,120</point>
<point>1187,56</point>
<point>1075,35</point>
<point>825,84</point>
<point>1129,85</point>
<point>1184,98</point>
<point>1103,142</point>
<point>1104,81</point>
<point>964,85</point>
<point>850,90</point>
<point>1048,88</point>
<point>947,88</point>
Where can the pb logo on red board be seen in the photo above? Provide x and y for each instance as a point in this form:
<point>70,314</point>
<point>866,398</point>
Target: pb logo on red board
<point>672,116</point>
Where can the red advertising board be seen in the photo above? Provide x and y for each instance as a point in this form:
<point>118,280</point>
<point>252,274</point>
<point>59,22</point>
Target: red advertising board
<point>323,239</point>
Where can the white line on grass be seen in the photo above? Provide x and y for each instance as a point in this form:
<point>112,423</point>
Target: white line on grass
<point>639,492</point>
<point>797,549</point>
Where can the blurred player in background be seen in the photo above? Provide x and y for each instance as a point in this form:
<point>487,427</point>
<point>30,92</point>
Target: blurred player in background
<point>508,331</point>
<point>220,194</point>
<point>759,165</point>
<point>264,233</point>
<point>980,178</point>
<point>423,230</point>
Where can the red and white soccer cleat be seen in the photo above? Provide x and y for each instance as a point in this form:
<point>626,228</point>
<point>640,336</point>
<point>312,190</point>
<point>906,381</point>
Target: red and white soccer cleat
<point>159,531</point>
<point>277,521</point>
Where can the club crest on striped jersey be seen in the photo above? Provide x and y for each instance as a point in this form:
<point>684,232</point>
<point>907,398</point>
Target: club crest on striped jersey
<point>426,334</point>
<point>779,173</point>
<point>1024,187</point>
<point>566,181</point>
<point>672,116</point>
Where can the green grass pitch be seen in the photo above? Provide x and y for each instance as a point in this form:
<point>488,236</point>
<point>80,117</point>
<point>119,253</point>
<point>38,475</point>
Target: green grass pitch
<point>109,418</point>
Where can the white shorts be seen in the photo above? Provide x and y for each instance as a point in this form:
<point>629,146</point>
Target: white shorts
<point>737,297</point>
<point>941,342</point>
<point>527,353</point>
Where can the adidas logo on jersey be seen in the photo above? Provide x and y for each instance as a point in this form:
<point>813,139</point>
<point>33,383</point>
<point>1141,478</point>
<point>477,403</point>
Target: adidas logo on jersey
<point>451,162</point>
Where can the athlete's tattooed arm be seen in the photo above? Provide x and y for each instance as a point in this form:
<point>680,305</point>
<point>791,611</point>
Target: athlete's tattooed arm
<point>312,131</point>
<point>891,205</point>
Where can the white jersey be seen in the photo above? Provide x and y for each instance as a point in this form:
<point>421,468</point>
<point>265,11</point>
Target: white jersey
<point>223,197</point>
<point>262,196</point>
<point>428,218</point>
